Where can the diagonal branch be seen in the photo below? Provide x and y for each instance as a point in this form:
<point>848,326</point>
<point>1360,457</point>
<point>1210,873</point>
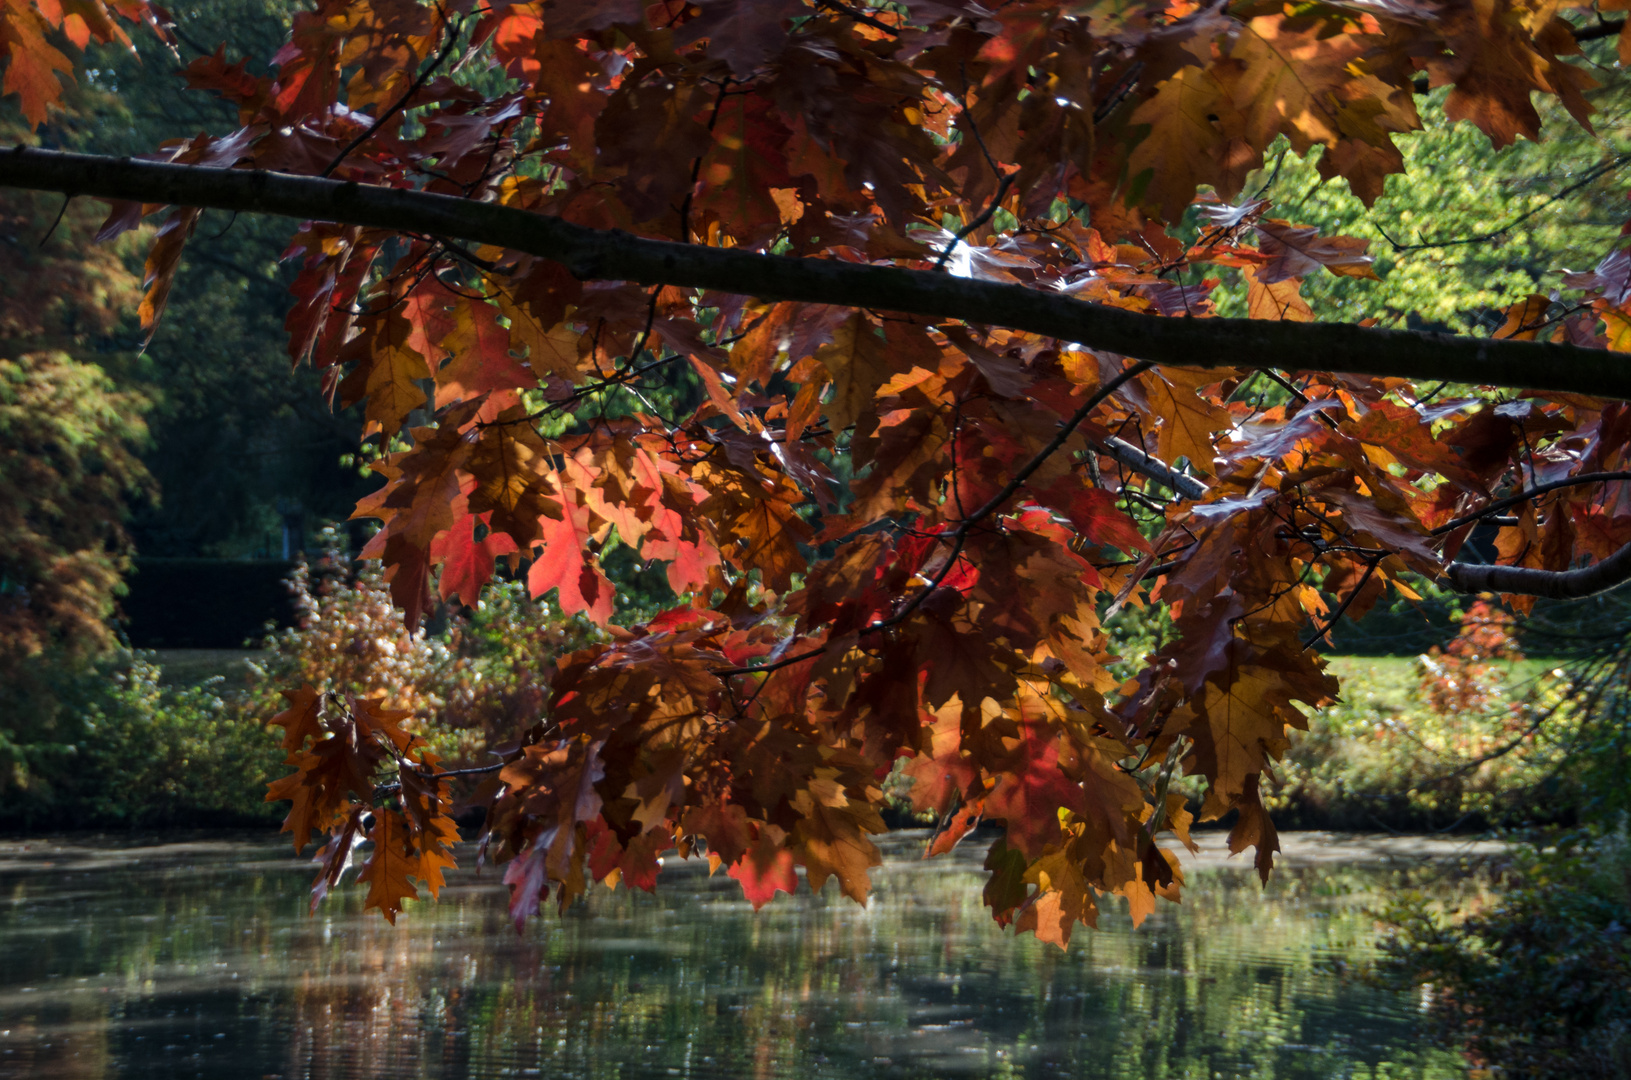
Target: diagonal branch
<point>1464,577</point>
<point>960,535</point>
<point>1153,467</point>
<point>1524,496</point>
<point>610,254</point>
<point>860,16</point>
<point>1602,28</point>
<point>1592,176</point>
<point>400,104</point>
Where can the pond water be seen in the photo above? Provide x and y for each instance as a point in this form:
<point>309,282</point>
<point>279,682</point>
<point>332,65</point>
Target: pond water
<point>199,959</point>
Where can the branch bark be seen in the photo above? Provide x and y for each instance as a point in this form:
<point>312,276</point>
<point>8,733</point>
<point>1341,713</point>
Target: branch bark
<point>1551,584</point>
<point>614,255</point>
<point>1153,467</point>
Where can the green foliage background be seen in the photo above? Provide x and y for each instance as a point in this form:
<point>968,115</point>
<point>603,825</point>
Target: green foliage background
<point>1467,230</point>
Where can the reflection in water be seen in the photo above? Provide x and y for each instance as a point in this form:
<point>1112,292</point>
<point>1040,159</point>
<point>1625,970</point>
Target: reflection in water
<point>200,960</point>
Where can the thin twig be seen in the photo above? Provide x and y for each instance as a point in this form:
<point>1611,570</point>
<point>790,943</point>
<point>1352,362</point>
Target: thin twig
<point>1591,177</point>
<point>1524,496</point>
<point>401,103</point>
<point>960,535</point>
<point>1298,394</point>
<point>1273,176</point>
<point>1337,614</point>
<point>696,166</point>
<point>859,16</point>
<point>61,210</point>
<point>985,215</point>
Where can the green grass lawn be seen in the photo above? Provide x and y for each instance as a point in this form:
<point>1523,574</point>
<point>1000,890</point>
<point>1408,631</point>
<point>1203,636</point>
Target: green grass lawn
<point>1391,681</point>
<point>189,667</point>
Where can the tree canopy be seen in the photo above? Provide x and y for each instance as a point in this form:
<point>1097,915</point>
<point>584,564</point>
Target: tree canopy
<point>891,332</point>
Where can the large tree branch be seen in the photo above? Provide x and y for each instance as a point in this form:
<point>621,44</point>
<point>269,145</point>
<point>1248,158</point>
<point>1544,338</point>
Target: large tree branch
<point>1552,584</point>
<point>614,255</point>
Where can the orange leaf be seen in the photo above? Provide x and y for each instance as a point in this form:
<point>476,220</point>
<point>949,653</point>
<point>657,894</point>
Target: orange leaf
<point>1279,301</point>
<point>32,62</point>
<point>1523,318</point>
<point>390,865</point>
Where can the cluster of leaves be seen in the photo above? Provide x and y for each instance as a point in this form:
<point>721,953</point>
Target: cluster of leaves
<point>334,790</point>
<point>1539,983</point>
<point>894,536</point>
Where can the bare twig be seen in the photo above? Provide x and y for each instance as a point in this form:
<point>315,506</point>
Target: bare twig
<point>1592,175</point>
<point>400,104</point>
<point>1524,496</point>
<point>1337,614</point>
<point>850,11</point>
<point>985,215</point>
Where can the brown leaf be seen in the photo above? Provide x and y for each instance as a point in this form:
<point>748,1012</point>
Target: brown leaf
<point>392,862</point>
<point>388,370</point>
<point>1189,421</point>
<point>1295,251</point>
<point>302,720</point>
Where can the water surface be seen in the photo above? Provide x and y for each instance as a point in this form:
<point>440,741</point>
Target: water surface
<point>199,959</point>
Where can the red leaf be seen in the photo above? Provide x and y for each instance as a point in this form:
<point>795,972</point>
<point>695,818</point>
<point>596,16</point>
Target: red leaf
<point>1030,791</point>
<point>467,563</point>
<point>481,361</point>
<point>566,564</point>
<point>765,869</point>
<point>1093,512</point>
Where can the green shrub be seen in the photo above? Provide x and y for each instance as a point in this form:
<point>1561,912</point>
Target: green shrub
<point>102,744</point>
<point>1539,983</point>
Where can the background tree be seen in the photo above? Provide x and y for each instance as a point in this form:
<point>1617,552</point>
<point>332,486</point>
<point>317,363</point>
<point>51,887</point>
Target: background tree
<point>945,282</point>
<point>68,438</point>
<point>239,444</point>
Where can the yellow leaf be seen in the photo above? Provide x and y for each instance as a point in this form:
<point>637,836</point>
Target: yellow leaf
<point>550,350</point>
<point>1279,301</point>
<point>856,361</point>
<point>1192,127</point>
<point>1188,419</point>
